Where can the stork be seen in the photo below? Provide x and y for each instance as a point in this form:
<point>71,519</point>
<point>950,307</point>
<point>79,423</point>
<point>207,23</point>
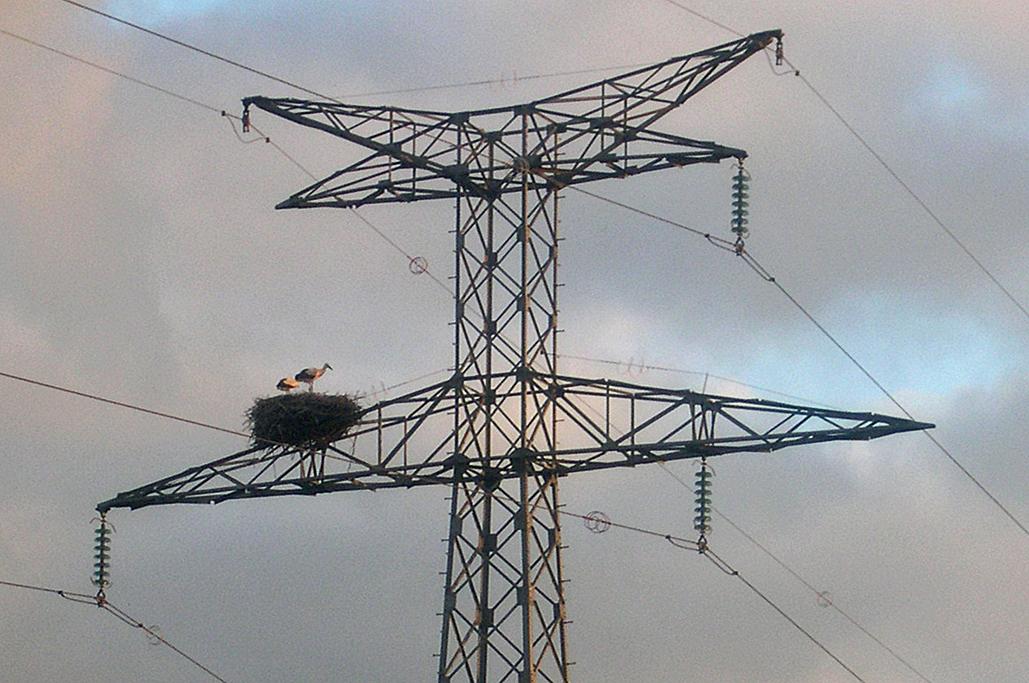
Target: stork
<point>287,384</point>
<point>309,375</point>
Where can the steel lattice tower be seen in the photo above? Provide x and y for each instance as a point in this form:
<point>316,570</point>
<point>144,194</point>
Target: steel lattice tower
<point>489,432</point>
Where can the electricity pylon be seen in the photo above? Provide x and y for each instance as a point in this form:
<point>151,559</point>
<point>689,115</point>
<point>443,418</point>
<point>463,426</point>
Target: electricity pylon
<point>490,431</point>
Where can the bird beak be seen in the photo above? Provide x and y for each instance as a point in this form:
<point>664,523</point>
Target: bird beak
<point>328,366</point>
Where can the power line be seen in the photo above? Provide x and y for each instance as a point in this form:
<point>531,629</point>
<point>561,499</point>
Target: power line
<point>763,273</point>
<point>766,275</point>
<point>786,616</point>
<point>69,595</point>
<point>397,91</point>
<point>882,162</point>
<point>606,522</point>
<point>706,18</point>
<point>631,365</point>
<point>494,81</point>
<point>137,81</point>
<point>719,242</point>
<point>122,616</point>
<point>178,418</point>
<point>123,404</point>
<point>135,623</point>
<point>820,595</point>
<point>397,247</point>
<point>907,188</point>
<point>686,544</point>
<point>194,48</point>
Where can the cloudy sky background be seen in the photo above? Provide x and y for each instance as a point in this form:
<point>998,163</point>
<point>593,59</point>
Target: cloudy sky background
<point>142,260</point>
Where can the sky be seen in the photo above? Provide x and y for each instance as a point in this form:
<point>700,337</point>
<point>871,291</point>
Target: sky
<point>143,261</point>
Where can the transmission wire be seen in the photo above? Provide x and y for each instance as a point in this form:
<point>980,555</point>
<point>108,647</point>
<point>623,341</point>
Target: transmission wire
<point>757,591</point>
<point>731,571</point>
<point>494,81</point>
<point>765,275</point>
<point>122,616</point>
<point>68,595</point>
<point>199,50</point>
<point>819,594</point>
<point>879,158</point>
<point>687,544</point>
<point>907,188</point>
<point>137,81</point>
<point>185,420</point>
<point>706,18</point>
<point>396,91</point>
<point>683,371</point>
<point>832,603</point>
<point>135,623</point>
<point>760,270</point>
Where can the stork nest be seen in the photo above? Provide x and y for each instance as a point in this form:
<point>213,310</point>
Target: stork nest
<point>302,419</point>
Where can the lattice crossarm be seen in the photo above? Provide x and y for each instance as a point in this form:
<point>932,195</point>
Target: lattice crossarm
<point>410,148</point>
<point>392,445</point>
<point>610,424</point>
<point>648,93</point>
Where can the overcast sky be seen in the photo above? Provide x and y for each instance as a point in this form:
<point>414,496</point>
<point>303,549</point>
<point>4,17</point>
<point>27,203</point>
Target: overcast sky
<point>142,260</point>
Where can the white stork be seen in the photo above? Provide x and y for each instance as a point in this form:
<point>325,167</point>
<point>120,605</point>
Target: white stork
<point>287,384</point>
<point>309,375</point>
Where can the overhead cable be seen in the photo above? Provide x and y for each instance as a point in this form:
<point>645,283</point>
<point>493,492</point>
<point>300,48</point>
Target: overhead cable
<point>119,74</point>
<point>706,18</point>
<point>766,275</point>
<point>819,595</point>
<point>373,93</point>
<point>122,616</point>
<point>686,544</point>
<point>696,545</point>
<point>763,273</point>
<point>200,50</point>
<point>882,162</point>
<point>710,554</point>
<point>494,81</point>
<point>631,365</point>
<point>177,418</point>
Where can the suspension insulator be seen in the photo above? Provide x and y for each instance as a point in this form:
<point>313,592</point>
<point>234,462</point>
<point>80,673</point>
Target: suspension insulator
<point>102,556</point>
<point>702,509</point>
<point>740,195</point>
